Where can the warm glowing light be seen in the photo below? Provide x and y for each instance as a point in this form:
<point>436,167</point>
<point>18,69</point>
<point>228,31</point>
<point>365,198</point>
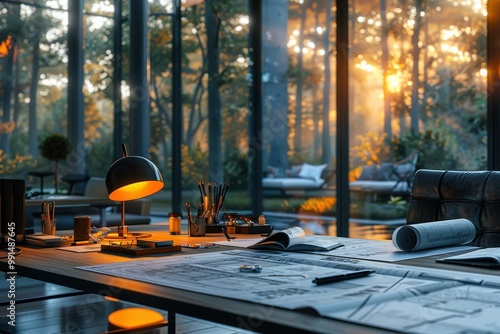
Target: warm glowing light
<point>394,82</point>
<point>136,190</point>
<point>5,47</point>
<point>311,45</point>
<point>134,317</point>
<point>244,20</point>
<point>125,89</point>
<point>363,65</point>
<point>446,34</point>
<point>53,81</point>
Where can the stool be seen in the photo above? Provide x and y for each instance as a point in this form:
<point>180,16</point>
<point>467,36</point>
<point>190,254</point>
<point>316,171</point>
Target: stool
<point>134,318</point>
<point>41,175</point>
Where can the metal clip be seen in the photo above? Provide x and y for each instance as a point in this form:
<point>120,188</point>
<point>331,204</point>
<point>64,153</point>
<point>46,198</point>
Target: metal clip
<point>248,268</point>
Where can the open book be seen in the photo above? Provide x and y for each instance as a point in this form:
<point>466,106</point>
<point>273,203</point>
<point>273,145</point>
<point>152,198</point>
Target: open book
<point>485,257</point>
<point>295,239</point>
<point>450,232</point>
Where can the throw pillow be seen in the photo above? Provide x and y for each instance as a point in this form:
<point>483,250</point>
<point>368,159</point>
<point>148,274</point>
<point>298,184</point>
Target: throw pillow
<point>368,173</point>
<point>312,171</point>
<point>385,171</point>
<point>294,171</point>
<point>402,171</point>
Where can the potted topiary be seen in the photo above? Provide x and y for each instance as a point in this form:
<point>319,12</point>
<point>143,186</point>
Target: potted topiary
<point>55,147</point>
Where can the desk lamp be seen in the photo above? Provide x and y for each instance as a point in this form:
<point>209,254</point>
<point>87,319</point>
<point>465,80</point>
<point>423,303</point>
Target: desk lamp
<point>130,178</point>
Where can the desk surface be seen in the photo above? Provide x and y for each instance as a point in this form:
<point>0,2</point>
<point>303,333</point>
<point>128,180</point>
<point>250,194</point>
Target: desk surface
<point>58,267</point>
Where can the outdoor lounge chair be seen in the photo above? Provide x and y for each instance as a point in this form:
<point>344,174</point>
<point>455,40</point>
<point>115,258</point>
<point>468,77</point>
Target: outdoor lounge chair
<point>300,178</point>
<point>387,178</point>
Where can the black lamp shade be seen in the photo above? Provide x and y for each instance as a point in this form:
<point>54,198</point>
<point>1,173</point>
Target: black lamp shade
<point>132,177</point>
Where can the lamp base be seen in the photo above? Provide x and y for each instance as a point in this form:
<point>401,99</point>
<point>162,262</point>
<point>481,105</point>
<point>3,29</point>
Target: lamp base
<point>122,231</point>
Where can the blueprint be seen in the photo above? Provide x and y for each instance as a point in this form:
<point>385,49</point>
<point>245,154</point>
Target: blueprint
<point>396,297</point>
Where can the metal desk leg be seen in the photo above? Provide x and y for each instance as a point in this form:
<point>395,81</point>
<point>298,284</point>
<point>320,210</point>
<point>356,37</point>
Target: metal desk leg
<point>171,322</point>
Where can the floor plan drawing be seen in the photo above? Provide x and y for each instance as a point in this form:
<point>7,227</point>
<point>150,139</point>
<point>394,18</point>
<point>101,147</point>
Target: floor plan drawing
<point>429,300</point>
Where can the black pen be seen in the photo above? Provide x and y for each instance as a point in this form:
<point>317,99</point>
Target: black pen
<point>268,234</point>
<point>228,237</point>
<point>342,277</point>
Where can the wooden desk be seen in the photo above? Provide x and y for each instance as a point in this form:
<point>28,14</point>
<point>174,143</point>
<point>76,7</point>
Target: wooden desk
<point>59,267</point>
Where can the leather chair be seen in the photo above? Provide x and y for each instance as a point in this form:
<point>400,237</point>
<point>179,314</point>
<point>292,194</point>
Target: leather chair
<point>474,195</point>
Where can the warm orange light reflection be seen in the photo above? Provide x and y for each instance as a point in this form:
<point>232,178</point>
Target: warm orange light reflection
<point>394,83</point>
<point>136,190</point>
<point>5,47</point>
<point>134,317</point>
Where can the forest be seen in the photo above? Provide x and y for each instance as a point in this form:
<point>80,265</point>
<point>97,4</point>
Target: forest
<point>417,76</point>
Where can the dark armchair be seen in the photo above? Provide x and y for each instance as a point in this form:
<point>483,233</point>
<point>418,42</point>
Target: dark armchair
<point>474,195</point>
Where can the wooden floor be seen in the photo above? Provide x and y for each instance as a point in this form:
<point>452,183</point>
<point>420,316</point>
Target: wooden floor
<point>48,308</point>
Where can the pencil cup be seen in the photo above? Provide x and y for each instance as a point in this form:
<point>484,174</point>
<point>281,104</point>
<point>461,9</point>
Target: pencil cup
<point>81,228</point>
<point>197,227</point>
<point>49,226</point>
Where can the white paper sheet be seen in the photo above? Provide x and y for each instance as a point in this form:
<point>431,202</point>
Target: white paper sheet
<point>82,248</point>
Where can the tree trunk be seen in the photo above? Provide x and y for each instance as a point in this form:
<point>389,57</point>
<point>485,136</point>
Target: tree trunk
<point>385,64</point>
<point>212,20</point>
<point>7,94</point>
<point>414,112</point>
<point>298,94</point>
<point>56,177</point>
<point>327,150</point>
<point>32,122</point>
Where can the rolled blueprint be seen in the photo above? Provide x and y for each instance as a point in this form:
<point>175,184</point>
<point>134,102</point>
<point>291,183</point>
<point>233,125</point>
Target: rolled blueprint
<point>415,237</point>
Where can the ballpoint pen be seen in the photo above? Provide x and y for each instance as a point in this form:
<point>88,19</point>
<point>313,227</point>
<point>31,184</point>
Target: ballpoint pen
<point>268,234</point>
<point>342,277</point>
<point>228,237</point>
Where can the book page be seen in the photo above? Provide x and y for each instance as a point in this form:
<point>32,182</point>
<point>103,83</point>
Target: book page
<point>316,243</point>
<point>491,255</point>
<point>415,237</point>
<point>282,239</point>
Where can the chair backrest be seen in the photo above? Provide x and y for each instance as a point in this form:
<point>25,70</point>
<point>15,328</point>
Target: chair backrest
<point>474,195</point>
<point>96,187</point>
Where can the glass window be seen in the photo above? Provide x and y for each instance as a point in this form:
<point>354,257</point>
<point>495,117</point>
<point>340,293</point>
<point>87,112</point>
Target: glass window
<point>34,81</point>
<point>418,86</point>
